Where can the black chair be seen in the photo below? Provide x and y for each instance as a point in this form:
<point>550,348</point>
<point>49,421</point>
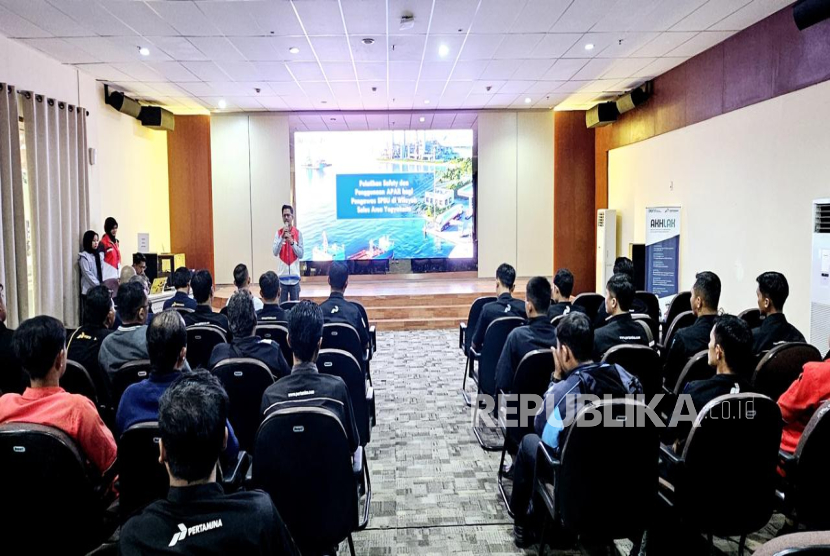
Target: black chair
<point>577,490</point>
<point>303,460</point>
<point>373,333</point>
<point>642,362</point>
<point>681,303</point>
<point>681,321</point>
<point>277,332</point>
<point>343,364</point>
<point>201,339</point>
<point>224,311</point>
<point>141,478</point>
<point>465,336</point>
<point>797,544</point>
<point>590,303</point>
<point>652,305</point>
<point>532,378</point>
<point>484,373</point>
<point>53,501</point>
<point>245,380</point>
<point>781,366</point>
<point>752,317</point>
<point>555,320</point>
<point>696,368</point>
<point>339,335</point>
<point>650,326</point>
<point>183,310</point>
<point>76,380</point>
<point>288,305</point>
<point>127,374</point>
<point>806,488</point>
<point>723,482</point>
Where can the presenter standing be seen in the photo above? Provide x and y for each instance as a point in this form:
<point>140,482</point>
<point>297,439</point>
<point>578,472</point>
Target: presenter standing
<point>288,248</point>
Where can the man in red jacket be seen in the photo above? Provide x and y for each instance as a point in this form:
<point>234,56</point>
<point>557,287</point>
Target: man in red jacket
<point>801,400</point>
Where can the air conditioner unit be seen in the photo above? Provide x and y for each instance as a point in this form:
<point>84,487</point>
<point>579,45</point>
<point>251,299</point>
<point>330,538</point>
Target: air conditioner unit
<point>606,246</point>
<point>820,276</point>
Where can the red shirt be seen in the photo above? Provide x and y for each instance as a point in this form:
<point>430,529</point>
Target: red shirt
<point>801,400</point>
<point>73,414</point>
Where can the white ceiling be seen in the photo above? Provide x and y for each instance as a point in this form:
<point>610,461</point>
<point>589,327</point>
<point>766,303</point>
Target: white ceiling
<point>499,53</point>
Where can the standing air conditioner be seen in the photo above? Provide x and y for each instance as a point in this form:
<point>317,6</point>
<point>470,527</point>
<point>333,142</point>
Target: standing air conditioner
<point>820,276</point>
<point>606,246</point>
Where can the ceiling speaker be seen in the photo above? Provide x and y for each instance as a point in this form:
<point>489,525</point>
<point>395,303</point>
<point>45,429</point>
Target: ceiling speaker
<point>156,117</point>
<point>631,100</point>
<point>124,104</point>
<point>810,12</point>
<point>601,115</point>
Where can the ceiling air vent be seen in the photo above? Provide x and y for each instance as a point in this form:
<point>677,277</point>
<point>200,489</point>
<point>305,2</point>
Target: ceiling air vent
<point>822,219</point>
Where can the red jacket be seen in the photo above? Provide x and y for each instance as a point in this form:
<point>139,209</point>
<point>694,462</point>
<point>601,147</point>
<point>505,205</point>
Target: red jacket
<point>801,400</point>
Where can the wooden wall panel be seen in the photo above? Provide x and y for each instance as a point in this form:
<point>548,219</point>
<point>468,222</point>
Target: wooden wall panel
<point>574,230</point>
<point>191,198</point>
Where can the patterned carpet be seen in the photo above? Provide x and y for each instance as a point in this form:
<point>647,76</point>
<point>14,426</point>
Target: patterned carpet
<point>434,489</point>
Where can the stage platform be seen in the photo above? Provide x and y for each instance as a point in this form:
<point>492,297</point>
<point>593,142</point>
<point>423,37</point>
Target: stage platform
<point>402,301</point>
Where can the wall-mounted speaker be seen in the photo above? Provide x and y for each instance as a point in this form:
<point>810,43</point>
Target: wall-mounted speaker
<point>810,12</point>
<point>601,115</point>
<point>124,104</point>
<point>156,117</point>
<point>631,100</point>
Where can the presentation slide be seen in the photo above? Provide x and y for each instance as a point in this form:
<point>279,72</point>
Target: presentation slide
<point>397,194</point>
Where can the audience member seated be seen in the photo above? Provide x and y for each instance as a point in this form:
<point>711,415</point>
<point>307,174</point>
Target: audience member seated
<point>505,306</point>
<point>694,338</point>
<point>801,400</point>
<point>730,353</point>
<point>181,299</point>
<point>129,341</point>
<point>620,328</point>
<point>40,346</point>
<point>242,319</point>
<point>167,348</point>
<point>145,284</point>
<point>539,333</point>
<point>772,292</point>
<point>85,343</point>
<point>127,273</point>
<point>337,309</point>
<point>269,289</point>
<point>202,286</point>
<point>306,386</point>
<point>12,377</point>
<point>242,281</point>
<point>139,263</point>
<point>575,373</point>
<point>201,518</point>
<point>563,287</point>
<point>622,265</point>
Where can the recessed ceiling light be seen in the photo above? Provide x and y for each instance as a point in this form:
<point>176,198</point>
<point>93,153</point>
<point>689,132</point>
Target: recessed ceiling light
<point>422,119</point>
<point>368,41</point>
<point>222,104</point>
<point>589,46</point>
<point>332,119</point>
<point>143,50</point>
<point>323,101</point>
<point>443,50</point>
<point>527,100</point>
<point>294,50</point>
<point>426,101</point>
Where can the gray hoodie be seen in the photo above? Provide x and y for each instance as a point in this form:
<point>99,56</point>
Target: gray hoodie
<point>127,343</point>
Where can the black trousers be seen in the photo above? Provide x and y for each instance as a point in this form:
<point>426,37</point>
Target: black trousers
<point>524,469</point>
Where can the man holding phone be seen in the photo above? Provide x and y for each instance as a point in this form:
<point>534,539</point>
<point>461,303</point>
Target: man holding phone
<point>288,248</point>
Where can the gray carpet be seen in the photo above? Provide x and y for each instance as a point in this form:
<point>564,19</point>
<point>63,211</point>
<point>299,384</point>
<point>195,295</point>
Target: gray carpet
<point>434,488</point>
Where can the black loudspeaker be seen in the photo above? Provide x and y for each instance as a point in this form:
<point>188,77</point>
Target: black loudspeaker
<point>631,100</point>
<point>156,117</point>
<point>602,114</point>
<point>152,270</point>
<point>638,257</point>
<point>810,12</point>
<point>124,104</point>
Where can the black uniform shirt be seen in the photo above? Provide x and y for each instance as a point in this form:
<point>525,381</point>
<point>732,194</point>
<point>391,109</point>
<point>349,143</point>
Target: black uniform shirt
<point>272,312</point>
<point>687,342</point>
<point>306,387</point>
<point>203,314</point>
<point>539,333</point>
<point>619,329</point>
<point>637,306</point>
<point>505,306</point>
<point>202,519</point>
<point>83,347</point>
<point>255,347</point>
<point>179,300</point>
<point>702,392</point>
<point>774,330</point>
<point>337,309</point>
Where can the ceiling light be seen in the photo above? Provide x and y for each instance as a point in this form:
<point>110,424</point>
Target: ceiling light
<point>294,50</point>
<point>323,101</point>
<point>589,46</point>
<point>143,50</point>
<point>426,101</point>
<point>443,50</point>
<point>422,119</point>
<point>368,41</point>
<point>407,22</point>
<point>527,100</point>
<point>222,104</point>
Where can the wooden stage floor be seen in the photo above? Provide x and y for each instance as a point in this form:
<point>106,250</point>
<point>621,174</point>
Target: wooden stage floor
<point>403,301</point>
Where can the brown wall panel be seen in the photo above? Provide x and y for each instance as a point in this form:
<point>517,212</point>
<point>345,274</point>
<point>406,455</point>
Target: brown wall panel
<point>573,198</point>
<point>704,85</point>
<point>191,199</point>
<point>749,66</point>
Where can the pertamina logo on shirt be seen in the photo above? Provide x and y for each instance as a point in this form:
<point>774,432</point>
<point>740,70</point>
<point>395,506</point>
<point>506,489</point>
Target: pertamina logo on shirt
<point>185,532</point>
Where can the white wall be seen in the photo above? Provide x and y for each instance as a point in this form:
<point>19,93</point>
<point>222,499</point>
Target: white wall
<point>251,182</point>
<point>515,192</point>
<point>745,181</point>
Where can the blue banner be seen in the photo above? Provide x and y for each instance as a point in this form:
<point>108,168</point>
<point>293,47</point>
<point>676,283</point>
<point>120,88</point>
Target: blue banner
<point>662,265</point>
<point>362,196</point>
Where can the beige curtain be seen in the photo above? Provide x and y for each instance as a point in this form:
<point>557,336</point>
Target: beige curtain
<point>13,231</point>
<point>59,195</point>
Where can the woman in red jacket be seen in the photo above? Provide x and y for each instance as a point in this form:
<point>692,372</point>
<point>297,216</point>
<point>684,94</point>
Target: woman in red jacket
<point>112,252</point>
